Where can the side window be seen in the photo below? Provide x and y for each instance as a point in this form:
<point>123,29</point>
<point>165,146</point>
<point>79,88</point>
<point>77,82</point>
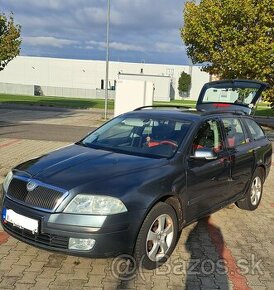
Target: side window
<point>208,136</point>
<point>254,129</point>
<point>234,133</point>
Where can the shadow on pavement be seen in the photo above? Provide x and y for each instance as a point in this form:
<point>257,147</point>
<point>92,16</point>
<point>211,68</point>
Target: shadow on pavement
<point>205,267</point>
<point>49,125</point>
<point>45,132</point>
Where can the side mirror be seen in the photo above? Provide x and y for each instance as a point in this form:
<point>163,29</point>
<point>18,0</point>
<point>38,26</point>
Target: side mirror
<point>204,153</point>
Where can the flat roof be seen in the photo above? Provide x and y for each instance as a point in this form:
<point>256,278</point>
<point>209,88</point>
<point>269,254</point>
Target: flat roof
<point>142,74</point>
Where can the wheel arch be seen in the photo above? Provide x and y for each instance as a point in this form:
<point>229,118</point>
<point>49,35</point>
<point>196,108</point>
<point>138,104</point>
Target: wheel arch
<point>171,200</point>
<point>262,167</point>
<point>175,203</point>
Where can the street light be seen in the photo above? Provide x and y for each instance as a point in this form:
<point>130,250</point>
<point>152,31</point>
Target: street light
<point>107,60</point>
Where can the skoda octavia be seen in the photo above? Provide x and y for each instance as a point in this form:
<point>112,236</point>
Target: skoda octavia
<point>130,186</point>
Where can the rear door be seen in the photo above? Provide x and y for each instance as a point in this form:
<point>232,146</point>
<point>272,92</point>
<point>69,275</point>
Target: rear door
<point>262,148</point>
<point>233,95</point>
<point>241,154</point>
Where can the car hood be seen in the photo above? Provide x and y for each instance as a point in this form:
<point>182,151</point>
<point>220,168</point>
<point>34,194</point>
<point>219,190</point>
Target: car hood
<point>76,165</point>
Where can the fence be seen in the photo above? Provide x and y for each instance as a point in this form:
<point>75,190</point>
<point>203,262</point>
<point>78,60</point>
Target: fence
<point>37,90</point>
<point>15,89</point>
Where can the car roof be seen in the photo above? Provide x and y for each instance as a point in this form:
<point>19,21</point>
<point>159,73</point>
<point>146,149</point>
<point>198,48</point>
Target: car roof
<point>179,114</point>
<point>167,113</point>
<point>239,81</point>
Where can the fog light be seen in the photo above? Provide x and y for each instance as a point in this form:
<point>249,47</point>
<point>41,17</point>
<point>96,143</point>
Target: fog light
<point>81,244</point>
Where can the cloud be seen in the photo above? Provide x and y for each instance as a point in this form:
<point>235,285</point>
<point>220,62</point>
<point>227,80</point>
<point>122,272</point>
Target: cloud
<point>91,15</point>
<point>48,41</point>
<point>160,47</point>
<point>56,5</point>
<point>167,47</point>
<point>139,29</point>
<point>114,45</point>
<point>126,47</point>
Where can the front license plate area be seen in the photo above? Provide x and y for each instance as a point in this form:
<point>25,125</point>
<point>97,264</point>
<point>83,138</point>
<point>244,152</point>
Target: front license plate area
<point>20,221</point>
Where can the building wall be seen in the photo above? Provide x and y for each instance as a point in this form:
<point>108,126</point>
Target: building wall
<point>88,74</point>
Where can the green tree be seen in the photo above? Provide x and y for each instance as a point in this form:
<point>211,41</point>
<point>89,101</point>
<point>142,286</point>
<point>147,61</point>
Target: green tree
<point>184,83</point>
<point>9,39</point>
<point>232,38</point>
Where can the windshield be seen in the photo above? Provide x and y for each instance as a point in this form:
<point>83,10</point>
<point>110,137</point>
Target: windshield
<point>241,96</point>
<point>145,136</point>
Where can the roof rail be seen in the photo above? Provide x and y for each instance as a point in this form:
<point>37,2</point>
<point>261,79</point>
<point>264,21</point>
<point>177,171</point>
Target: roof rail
<point>162,106</point>
<point>235,112</point>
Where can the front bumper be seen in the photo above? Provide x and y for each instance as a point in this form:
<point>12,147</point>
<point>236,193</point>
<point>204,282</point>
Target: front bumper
<point>113,235</point>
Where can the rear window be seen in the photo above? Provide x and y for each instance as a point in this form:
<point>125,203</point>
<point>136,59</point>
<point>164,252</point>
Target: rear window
<point>242,96</point>
<point>255,129</point>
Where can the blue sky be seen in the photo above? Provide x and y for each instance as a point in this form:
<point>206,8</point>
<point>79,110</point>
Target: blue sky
<point>141,30</point>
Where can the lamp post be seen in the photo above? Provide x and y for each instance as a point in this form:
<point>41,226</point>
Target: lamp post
<point>107,60</point>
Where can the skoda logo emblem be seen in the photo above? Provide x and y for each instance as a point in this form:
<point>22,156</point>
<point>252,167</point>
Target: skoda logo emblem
<point>31,185</point>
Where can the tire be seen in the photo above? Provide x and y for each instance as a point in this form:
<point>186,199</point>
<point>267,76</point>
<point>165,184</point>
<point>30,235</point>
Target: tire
<point>157,237</point>
<point>1,198</point>
<point>253,196</point>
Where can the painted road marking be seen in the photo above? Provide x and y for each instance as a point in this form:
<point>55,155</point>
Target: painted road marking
<point>3,237</point>
<point>239,281</point>
<point>10,143</point>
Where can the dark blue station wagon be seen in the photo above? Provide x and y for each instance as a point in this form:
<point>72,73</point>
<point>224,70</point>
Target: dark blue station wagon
<point>133,184</point>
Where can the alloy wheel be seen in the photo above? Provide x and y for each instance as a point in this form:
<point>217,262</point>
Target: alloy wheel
<point>159,237</point>
<point>256,190</point>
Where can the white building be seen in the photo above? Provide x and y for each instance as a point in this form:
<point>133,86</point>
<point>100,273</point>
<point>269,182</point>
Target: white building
<point>86,78</point>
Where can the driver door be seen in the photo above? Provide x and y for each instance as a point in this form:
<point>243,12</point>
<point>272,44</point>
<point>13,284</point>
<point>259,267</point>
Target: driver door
<point>207,179</point>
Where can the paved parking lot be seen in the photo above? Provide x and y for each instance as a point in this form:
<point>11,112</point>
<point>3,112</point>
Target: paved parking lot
<point>233,249</point>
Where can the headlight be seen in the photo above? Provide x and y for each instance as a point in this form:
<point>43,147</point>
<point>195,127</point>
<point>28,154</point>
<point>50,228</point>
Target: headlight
<point>7,181</point>
<point>95,204</point>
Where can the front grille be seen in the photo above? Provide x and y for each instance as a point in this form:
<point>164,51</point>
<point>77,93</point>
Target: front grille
<point>41,239</point>
<point>41,197</point>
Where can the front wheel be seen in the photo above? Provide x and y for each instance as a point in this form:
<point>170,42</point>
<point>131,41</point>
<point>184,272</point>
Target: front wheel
<point>157,237</point>
<point>254,194</point>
